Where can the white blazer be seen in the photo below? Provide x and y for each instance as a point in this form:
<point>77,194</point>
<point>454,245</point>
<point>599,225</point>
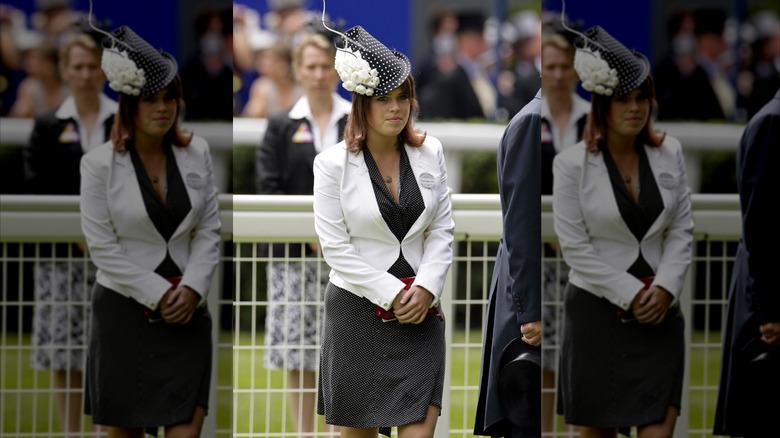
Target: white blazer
<point>355,240</point>
<point>124,243</point>
<point>598,245</point>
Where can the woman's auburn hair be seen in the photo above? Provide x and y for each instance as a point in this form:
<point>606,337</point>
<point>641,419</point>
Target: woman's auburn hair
<point>124,127</point>
<point>595,132</point>
<point>356,130</point>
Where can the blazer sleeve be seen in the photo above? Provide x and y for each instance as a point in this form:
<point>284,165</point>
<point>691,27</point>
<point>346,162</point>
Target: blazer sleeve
<point>376,285</point>
<point>519,191</point>
<point>677,237</point>
<point>268,165</point>
<point>437,246</point>
<point>619,287</point>
<point>144,286</point>
<point>204,246</point>
<point>34,156</point>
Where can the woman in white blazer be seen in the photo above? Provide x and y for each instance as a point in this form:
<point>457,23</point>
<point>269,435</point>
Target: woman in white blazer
<point>384,222</point>
<point>150,217</point>
<point>622,217</point>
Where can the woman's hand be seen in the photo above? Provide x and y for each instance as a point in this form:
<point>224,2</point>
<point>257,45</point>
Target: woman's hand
<point>411,306</point>
<point>178,305</point>
<point>532,333</point>
<point>650,305</point>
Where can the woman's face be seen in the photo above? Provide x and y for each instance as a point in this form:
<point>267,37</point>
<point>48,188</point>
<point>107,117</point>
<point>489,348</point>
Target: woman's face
<point>315,72</point>
<point>558,75</point>
<point>156,114</point>
<point>388,114</point>
<point>82,71</point>
<point>628,114</point>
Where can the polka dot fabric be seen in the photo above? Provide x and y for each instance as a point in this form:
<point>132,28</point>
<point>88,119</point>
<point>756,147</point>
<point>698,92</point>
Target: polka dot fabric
<point>632,67</point>
<point>159,66</point>
<point>374,373</point>
<point>393,67</point>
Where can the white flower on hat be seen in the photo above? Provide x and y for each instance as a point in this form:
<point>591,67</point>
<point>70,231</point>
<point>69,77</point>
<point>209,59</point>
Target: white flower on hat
<point>356,74</point>
<point>122,73</point>
<point>594,72</point>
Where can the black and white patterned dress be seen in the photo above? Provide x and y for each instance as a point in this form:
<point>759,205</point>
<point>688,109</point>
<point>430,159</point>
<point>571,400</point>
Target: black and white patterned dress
<point>374,373</point>
<point>143,372</point>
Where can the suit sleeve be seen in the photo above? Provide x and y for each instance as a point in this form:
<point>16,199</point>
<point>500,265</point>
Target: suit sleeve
<point>35,158</point>
<point>759,197</point>
<point>204,247</point>
<point>376,285</point>
<point>268,166</point>
<point>520,190</point>
<point>437,246</point>
<point>677,238</point>
<point>619,287</point>
<point>144,286</point>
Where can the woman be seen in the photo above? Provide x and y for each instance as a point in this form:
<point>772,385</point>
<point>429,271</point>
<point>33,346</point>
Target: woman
<point>622,216</point>
<point>275,89</point>
<point>383,218</point>
<point>149,213</point>
<point>42,90</point>
<point>564,114</point>
<point>51,163</point>
<point>284,166</point>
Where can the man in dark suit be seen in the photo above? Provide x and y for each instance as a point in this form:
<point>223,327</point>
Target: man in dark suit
<point>514,307</point>
<point>467,91</point>
<point>748,400</point>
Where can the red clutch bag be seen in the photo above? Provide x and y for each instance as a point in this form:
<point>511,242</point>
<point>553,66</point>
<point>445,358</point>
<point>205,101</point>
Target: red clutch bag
<point>389,315</point>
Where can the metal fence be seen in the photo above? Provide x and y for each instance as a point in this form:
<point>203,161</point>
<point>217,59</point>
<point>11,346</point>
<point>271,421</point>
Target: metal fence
<point>249,400</point>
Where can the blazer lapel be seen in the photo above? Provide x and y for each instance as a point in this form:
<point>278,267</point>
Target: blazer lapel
<point>366,189</point>
<point>420,167</point>
<point>596,170</point>
<point>129,189</point>
<point>193,181</point>
<point>666,178</point>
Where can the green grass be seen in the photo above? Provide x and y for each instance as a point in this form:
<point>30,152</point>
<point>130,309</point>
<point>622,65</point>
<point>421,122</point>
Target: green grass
<point>258,392</point>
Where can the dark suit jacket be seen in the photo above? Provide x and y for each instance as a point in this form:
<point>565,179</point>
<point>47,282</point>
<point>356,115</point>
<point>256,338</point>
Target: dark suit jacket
<point>51,163</point>
<point>515,291</point>
<point>747,396</point>
<point>450,96</point>
<point>284,166</point>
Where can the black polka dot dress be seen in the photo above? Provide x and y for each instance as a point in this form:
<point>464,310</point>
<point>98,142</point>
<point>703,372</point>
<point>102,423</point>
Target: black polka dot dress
<point>375,373</point>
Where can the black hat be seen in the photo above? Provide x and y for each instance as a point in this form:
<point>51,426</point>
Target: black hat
<point>607,67</point>
<point>520,383</point>
<point>471,21</point>
<point>132,66</point>
<point>367,67</point>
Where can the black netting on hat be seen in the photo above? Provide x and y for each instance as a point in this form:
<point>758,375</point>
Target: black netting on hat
<point>159,66</point>
<point>393,66</point>
<point>632,67</point>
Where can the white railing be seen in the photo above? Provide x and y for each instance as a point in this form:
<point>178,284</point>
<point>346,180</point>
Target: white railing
<point>698,140</point>
<point>252,402</point>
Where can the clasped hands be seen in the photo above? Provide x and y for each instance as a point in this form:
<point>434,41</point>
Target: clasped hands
<point>411,305</point>
<point>651,304</point>
<point>178,305</point>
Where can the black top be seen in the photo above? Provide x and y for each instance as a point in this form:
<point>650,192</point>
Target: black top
<point>166,216</point>
<point>639,217</point>
<point>400,216</point>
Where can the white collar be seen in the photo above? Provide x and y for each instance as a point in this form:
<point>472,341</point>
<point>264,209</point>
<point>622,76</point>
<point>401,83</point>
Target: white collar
<point>107,107</point>
<point>302,110</point>
<point>579,107</point>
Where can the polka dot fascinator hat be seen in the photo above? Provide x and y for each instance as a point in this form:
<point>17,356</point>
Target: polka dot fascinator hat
<point>133,67</point>
<point>607,67</point>
<point>367,67</point>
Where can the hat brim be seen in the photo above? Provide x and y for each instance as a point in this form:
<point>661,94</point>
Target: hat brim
<point>519,383</point>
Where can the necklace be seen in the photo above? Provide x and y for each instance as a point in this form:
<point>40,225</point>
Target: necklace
<point>388,179</point>
<point>155,179</point>
<point>627,179</point>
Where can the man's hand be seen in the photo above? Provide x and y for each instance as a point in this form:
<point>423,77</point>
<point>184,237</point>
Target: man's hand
<point>532,333</point>
<point>770,333</point>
